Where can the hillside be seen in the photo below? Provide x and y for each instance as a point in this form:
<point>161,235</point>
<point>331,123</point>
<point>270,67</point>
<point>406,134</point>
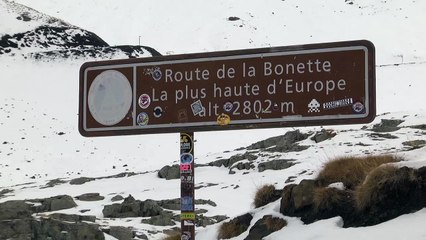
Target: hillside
<point>43,156</point>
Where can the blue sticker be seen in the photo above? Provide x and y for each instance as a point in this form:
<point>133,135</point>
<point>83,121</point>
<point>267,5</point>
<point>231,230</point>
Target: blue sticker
<point>186,158</point>
<point>186,204</point>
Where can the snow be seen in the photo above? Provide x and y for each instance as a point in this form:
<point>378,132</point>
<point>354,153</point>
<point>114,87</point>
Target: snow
<point>39,100</point>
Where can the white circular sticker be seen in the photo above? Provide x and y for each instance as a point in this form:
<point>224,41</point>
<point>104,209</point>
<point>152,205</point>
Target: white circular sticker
<point>110,97</point>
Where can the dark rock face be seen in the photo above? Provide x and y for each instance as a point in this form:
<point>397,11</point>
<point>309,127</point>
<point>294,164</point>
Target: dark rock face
<point>265,226</point>
<point>387,125</point>
<point>55,203</point>
<point>284,143</point>
<point>81,180</point>
<point>16,229</point>
<point>169,172</point>
<point>55,229</point>
<point>278,164</point>
<point>16,209</point>
<point>121,233</point>
<point>90,197</point>
<point>132,208</point>
<point>324,134</point>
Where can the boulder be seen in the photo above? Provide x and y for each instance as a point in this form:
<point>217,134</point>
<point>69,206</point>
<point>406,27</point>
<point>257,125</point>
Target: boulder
<point>169,172</point>
<point>303,194</point>
<point>15,209</point>
<point>16,229</point>
<point>49,228</point>
<point>121,233</point>
<point>387,125</point>
<point>324,134</point>
<point>164,219</point>
<point>81,180</point>
<point>132,208</point>
<point>89,197</point>
<point>278,164</point>
<point>283,143</point>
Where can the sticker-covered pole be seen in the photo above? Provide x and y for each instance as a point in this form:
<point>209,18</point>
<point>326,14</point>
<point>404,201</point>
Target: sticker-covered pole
<point>187,198</point>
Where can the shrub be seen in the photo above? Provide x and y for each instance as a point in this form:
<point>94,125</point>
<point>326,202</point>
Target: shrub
<point>386,185</point>
<point>274,223</point>
<point>264,195</point>
<point>235,227</point>
<point>327,198</point>
<point>352,170</point>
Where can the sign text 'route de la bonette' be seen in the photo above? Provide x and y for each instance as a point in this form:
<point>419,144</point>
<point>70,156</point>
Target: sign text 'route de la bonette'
<point>317,84</point>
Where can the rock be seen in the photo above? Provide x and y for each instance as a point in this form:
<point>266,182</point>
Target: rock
<point>150,208</point>
<point>54,203</point>
<point>387,125</point>
<point>278,164</point>
<point>415,144</point>
<point>287,203</point>
<point>171,204</point>
<point>282,143</point>
<point>265,226</point>
<point>17,229</point>
<point>48,228</point>
<point>81,180</point>
<point>15,209</point>
<point>121,233</point>
<point>54,182</point>
<point>169,172</point>
<point>129,208</point>
<point>117,198</point>
<point>89,197</point>
<point>234,159</point>
<point>324,134</point>
<point>132,208</point>
<point>164,219</point>
<point>303,194</point>
<point>72,217</point>
<point>375,136</point>
<point>5,191</point>
<point>203,221</point>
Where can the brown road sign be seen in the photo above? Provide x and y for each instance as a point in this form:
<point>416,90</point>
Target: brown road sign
<point>305,85</point>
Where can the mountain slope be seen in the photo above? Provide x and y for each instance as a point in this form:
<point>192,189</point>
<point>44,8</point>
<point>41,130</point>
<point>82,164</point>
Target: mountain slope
<point>37,35</point>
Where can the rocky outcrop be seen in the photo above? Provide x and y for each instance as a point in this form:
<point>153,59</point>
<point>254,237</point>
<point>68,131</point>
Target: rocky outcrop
<point>132,208</point>
<point>17,220</point>
<point>169,172</point>
<point>387,125</point>
<point>278,164</point>
<point>284,143</point>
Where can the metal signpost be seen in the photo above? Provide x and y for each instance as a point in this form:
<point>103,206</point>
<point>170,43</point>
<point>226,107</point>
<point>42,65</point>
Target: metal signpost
<point>305,85</point>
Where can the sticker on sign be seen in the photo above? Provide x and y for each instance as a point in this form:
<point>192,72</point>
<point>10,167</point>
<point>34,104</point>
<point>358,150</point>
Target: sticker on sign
<point>304,85</point>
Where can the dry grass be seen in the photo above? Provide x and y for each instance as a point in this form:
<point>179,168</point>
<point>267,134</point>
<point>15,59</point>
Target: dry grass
<point>274,223</point>
<point>173,237</point>
<point>235,227</point>
<point>382,183</point>
<point>327,198</point>
<point>352,170</point>
<point>230,229</point>
<point>264,195</point>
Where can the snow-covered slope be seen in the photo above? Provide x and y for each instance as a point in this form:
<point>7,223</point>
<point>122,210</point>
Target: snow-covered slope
<point>29,33</point>
<point>39,140</point>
